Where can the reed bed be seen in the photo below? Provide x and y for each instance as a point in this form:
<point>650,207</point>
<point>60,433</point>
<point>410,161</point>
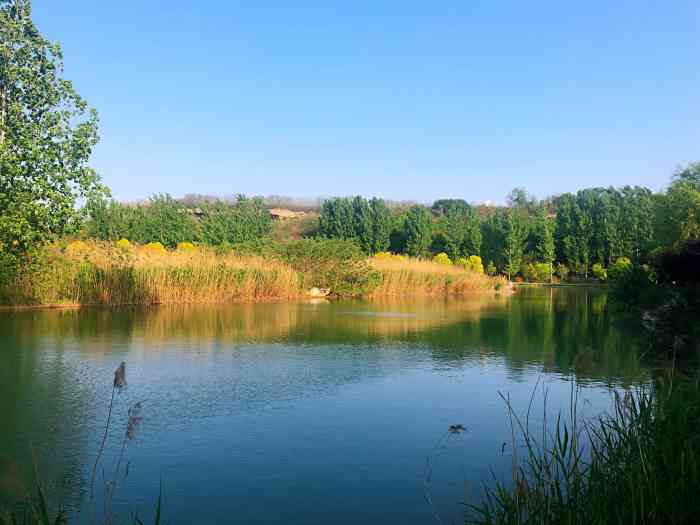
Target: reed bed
<point>108,273</point>
<point>639,465</point>
<point>403,276</point>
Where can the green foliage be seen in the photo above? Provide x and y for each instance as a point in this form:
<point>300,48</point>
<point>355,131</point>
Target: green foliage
<point>47,134</point>
<point>536,272</point>
<point>620,268</point>
<point>167,221</point>
<point>337,219</point>
<point>543,236</point>
<point>338,265</point>
<point>418,231</point>
<point>677,211</point>
<point>247,221</point>
<point>493,231</point>
<point>598,225</point>
<point>562,271</point>
<point>458,230</point>
<point>367,222</point>
<point>516,231</point>
<point>633,287</point>
<point>382,223</point>
<point>542,272</point>
<point>599,272</point>
<point>162,219</point>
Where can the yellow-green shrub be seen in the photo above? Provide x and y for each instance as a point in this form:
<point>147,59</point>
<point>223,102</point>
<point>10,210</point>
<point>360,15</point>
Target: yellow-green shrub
<point>473,263</point>
<point>124,244</point>
<point>154,247</point>
<point>442,258</point>
<point>186,247</point>
<point>390,256</point>
<point>620,268</point>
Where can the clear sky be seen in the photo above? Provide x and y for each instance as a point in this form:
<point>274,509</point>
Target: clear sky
<point>401,99</point>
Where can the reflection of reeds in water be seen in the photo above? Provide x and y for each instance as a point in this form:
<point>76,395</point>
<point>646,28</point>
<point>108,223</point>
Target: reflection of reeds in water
<point>405,276</point>
<point>202,323</point>
<point>389,316</point>
<point>35,508</point>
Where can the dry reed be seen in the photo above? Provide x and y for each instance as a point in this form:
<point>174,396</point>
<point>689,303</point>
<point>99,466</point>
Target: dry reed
<point>104,273</point>
<point>402,276</point>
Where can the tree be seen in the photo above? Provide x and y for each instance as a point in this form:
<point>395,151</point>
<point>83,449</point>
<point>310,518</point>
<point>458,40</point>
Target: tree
<point>677,214</point>
<point>368,222</point>
<point>543,233</point>
<point>459,230</point>
<point>516,232</point>
<point>418,228</point>
<point>382,223</point>
<point>690,174</point>
<point>248,220</point>
<point>337,219</point>
<point>493,232</point>
<point>47,134</point>
<point>165,221</point>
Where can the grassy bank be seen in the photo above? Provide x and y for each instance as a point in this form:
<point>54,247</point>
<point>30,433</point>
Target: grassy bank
<point>113,273</point>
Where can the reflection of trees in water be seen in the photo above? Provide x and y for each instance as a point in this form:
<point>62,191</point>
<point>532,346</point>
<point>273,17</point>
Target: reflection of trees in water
<point>42,396</point>
<point>563,330</point>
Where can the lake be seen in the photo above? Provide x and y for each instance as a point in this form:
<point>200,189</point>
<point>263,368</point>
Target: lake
<point>305,413</point>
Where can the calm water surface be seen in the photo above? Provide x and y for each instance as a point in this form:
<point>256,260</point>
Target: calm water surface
<point>304,413</point>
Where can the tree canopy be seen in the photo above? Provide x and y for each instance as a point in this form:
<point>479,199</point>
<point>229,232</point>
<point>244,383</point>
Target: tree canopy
<point>47,134</point>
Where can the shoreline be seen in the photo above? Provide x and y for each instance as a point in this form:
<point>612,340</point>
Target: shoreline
<point>300,299</point>
<point>560,285</point>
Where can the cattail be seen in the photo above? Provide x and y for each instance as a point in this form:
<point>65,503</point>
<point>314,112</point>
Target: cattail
<point>120,376</point>
<point>135,419</point>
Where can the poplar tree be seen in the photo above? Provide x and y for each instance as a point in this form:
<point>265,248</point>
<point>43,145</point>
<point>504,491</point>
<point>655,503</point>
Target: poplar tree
<point>47,133</point>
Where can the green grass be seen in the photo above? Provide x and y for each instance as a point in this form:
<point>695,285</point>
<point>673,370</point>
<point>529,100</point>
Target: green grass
<point>639,465</point>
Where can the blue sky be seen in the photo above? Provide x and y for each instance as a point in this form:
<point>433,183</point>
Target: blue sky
<point>404,100</point>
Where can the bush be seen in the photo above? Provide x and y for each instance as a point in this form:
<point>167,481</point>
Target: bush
<point>562,271</point>
<point>123,244</point>
<point>543,272</point>
<point>338,265</point>
<point>473,263</point>
<point>620,268</point>
<point>442,258</point>
<point>633,287</point>
<point>155,247</point>
<point>599,272</point>
<point>186,247</point>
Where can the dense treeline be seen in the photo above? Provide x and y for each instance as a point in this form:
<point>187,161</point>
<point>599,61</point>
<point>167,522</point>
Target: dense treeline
<point>581,233</point>
<point>166,220</point>
<point>575,234</point>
